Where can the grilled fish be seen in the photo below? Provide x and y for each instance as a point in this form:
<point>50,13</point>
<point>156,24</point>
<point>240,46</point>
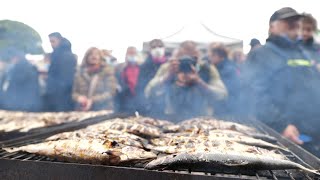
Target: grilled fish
<point>138,129</point>
<point>87,151</point>
<point>223,161</point>
<point>121,137</point>
<point>263,137</point>
<point>211,137</point>
<point>207,123</point>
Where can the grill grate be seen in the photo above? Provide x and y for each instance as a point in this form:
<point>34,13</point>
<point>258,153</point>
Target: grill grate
<point>249,174</point>
<point>272,174</point>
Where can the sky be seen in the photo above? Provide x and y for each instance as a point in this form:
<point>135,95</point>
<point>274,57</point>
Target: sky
<point>117,24</point>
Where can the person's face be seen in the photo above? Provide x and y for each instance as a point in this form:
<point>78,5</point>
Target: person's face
<point>157,49</point>
<point>156,44</point>
<point>214,58</point>
<point>289,27</point>
<point>307,31</point>
<point>131,52</point>
<point>94,58</point>
<point>54,41</point>
<point>273,28</point>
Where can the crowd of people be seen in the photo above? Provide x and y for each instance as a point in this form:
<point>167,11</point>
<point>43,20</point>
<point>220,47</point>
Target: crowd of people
<point>277,83</point>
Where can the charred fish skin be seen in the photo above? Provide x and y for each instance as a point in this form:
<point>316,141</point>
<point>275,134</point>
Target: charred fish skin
<point>224,161</point>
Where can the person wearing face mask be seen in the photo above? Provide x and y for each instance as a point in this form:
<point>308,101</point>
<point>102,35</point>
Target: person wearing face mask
<point>95,84</point>
<point>130,99</point>
<point>284,85</point>
<point>155,59</point>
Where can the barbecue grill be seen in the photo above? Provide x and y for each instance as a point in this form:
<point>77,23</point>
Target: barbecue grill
<point>20,165</point>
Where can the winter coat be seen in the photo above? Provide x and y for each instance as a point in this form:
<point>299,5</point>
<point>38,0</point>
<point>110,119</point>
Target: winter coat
<point>104,91</point>
<point>148,71</point>
<point>60,78</point>
<point>127,101</point>
<point>23,91</point>
<point>284,86</point>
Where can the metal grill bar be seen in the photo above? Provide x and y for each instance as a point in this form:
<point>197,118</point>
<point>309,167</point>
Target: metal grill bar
<point>289,174</point>
<point>10,154</point>
<point>307,176</point>
<point>273,175</point>
<point>30,157</point>
<point>19,156</point>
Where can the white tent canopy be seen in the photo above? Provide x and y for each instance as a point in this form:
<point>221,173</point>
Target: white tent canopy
<point>199,33</point>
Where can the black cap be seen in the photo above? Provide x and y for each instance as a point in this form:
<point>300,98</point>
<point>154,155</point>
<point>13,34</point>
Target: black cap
<point>284,13</point>
<point>254,42</point>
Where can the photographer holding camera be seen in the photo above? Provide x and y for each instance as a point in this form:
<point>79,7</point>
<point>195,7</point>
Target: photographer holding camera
<point>186,86</point>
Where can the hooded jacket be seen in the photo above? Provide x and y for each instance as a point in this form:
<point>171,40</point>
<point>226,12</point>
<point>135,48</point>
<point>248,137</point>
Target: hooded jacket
<point>60,77</point>
<point>284,86</point>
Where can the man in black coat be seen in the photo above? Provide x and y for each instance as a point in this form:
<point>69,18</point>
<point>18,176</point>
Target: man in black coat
<point>284,84</point>
<point>60,75</point>
<point>21,86</point>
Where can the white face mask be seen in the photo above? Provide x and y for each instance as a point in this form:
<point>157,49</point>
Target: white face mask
<point>132,59</point>
<point>158,52</point>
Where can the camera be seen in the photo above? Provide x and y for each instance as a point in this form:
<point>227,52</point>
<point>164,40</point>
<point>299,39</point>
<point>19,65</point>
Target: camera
<point>186,64</point>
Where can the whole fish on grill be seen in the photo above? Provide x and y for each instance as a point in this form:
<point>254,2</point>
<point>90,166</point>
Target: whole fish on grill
<point>263,137</point>
<point>207,123</point>
<point>204,144</point>
<point>88,151</point>
<point>128,125</point>
<point>165,126</point>
<point>121,137</point>
<point>173,140</point>
<point>223,161</point>
<point>136,128</point>
<point>243,139</point>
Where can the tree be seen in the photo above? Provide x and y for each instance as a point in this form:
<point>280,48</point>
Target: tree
<point>21,36</point>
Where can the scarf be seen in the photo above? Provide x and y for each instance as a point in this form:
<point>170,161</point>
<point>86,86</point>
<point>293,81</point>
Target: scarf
<point>130,75</point>
<point>159,60</point>
<point>92,69</point>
